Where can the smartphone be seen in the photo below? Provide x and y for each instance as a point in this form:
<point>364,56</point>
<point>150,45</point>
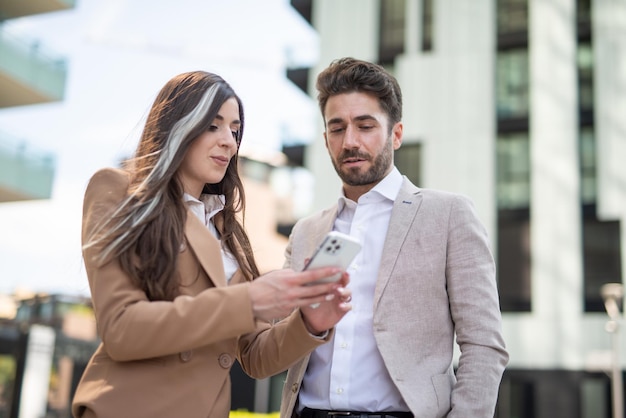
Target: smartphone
<point>336,250</point>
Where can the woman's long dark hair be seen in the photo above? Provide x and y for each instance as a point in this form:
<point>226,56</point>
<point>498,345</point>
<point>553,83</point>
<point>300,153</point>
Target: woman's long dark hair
<point>146,232</point>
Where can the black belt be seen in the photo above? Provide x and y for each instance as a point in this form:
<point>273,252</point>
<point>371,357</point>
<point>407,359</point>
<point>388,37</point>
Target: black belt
<point>322,413</point>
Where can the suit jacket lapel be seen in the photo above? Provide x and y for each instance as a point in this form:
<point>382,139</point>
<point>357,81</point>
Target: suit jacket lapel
<point>405,208</point>
<point>206,247</point>
<point>326,224</point>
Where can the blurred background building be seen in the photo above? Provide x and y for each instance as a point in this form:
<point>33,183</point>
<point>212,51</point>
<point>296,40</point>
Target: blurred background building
<point>29,74</point>
<point>518,104</point>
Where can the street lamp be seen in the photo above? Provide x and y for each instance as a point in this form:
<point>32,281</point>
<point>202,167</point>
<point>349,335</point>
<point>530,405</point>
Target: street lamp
<point>613,296</point>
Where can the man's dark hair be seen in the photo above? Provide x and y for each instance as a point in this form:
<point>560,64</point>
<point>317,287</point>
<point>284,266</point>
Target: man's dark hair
<point>346,75</point>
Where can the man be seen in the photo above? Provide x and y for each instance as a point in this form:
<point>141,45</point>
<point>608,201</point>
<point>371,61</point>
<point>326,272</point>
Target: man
<point>424,276</point>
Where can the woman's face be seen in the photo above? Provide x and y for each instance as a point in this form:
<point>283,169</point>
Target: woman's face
<point>208,156</point>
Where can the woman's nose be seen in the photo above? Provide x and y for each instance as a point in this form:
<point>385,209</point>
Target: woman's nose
<point>227,138</point>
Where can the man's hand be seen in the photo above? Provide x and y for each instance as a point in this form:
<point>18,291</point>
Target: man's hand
<point>276,294</point>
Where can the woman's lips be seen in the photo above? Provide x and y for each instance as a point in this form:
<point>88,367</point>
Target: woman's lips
<point>223,161</point>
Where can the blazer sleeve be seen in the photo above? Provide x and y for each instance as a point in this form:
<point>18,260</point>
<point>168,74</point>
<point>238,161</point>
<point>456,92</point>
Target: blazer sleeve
<point>285,342</point>
<point>475,310</point>
<point>275,348</point>
<point>132,327</point>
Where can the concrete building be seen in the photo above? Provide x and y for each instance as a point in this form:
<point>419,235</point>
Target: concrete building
<point>28,75</point>
<point>520,105</point>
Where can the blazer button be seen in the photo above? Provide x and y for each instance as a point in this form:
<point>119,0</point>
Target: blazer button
<point>225,360</point>
<point>185,356</point>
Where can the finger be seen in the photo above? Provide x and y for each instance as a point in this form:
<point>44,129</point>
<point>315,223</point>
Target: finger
<point>344,280</point>
<point>345,306</point>
<point>317,300</point>
<point>317,274</point>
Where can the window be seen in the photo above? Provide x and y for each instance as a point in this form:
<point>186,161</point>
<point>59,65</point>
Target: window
<point>587,167</point>
<point>512,83</point>
<point>516,397</point>
<point>427,25</point>
<point>601,257</point>
<point>595,397</point>
<point>513,171</point>
<point>512,23</point>
<point>391,42</point>
<point>583,18</point>
<point>408,159</point>
<point>513,199</point>
<point>513,261</point>
<point>392,28</point>
<point>584,59</point>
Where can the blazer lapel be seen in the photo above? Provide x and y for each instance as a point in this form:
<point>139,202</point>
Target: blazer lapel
<point>206,248</point>
<point>405,208</point>
<point>325,225</point>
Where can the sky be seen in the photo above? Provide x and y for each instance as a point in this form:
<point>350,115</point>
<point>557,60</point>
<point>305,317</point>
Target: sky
<point>119,54</point>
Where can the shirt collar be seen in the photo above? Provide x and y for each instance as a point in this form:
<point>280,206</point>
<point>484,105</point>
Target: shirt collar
<point>213,203</point>
<point>386,189</point>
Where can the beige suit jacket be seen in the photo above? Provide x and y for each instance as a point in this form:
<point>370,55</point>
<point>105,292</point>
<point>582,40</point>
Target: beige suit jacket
<point>172,359</point>
<point>436,281</point>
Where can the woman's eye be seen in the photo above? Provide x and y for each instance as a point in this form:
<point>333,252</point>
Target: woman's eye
<point>235,134</point>
<point>213,128</point>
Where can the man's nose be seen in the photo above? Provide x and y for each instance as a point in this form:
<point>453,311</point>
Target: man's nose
<point>351,138</point>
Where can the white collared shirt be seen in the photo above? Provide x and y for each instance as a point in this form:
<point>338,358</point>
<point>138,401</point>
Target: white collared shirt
<point>348,374</point>
<point>205,209</point>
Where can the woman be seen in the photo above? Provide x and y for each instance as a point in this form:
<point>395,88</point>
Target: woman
<point>171,270</point>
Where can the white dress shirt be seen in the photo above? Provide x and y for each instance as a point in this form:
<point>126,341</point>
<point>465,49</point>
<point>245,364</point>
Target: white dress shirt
<point>205,209</point>
<point>348,373</point>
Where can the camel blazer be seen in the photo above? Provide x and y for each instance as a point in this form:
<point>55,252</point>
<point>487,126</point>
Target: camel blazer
<point>436,282</point>
<point>172,359</point>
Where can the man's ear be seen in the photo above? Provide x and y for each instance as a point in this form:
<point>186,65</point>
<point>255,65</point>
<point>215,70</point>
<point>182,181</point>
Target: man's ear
<point>396,134</point>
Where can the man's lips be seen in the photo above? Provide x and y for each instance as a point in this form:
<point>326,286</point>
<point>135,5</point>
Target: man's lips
<point>353,161</point>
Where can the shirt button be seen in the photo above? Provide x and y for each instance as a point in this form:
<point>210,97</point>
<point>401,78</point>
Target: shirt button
<point>344,345</point>
<point>340,391</point>
<point>185,356</point>
<point>225,360</point>
<point>294,388</point>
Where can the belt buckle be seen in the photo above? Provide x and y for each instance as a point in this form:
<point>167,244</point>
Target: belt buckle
<point>339,413</point>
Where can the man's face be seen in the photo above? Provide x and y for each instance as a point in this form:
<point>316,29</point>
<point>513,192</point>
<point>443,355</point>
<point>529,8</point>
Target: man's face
<point>359,141</point>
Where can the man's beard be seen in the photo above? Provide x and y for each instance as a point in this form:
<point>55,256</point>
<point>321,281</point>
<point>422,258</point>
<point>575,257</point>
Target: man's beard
<point>378,170</point>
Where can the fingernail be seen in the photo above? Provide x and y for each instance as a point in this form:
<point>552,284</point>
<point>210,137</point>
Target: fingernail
<point>330,296</point>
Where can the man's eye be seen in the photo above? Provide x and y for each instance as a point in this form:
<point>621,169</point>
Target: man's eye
<point>366,127</point>
<point>335,130</point>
